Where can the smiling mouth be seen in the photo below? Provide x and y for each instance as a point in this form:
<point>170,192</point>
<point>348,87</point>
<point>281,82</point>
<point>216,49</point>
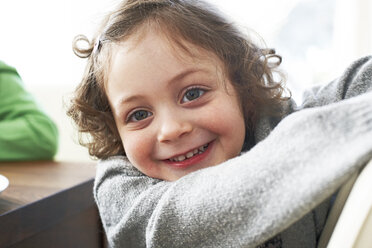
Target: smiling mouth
<point>189,154</point>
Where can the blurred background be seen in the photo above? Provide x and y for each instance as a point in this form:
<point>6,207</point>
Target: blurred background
<point>317,39</point>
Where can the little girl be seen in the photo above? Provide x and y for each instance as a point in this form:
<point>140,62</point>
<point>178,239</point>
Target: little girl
<point>199,145</point>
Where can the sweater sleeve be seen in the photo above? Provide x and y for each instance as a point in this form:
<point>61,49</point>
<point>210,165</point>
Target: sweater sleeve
<point>26,132</point>
<point>354,81</point>
<point>248,199</point>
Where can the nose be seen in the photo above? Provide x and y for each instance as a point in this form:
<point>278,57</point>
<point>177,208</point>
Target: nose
<point>172,127</point>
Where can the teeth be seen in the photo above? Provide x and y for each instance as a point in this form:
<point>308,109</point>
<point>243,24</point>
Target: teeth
<point>181,158</point>
<point>189,154</point>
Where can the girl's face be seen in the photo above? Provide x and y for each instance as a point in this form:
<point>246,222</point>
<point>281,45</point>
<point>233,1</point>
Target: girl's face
<point>175,114</point>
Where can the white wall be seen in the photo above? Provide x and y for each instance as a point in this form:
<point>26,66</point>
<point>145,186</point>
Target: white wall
<point>36,38</point>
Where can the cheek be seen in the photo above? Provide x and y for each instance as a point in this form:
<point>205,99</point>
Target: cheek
<point>232,128</point>
<point>137,148</point>
<point>224,116</point>
<point>139,151</point>
<point>228,123</point>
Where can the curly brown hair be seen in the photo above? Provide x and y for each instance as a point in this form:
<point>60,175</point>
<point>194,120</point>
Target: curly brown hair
<point>250,68</point>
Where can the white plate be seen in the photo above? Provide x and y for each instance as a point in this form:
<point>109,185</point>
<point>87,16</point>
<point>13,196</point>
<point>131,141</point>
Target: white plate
<point>4,182</point>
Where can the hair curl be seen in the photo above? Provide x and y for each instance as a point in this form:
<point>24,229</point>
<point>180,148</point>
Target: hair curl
<point>250,68</point>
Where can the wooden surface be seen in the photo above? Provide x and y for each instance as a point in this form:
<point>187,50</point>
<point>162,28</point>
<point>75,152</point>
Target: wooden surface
<point>49,204</point>
<point>32,181</point>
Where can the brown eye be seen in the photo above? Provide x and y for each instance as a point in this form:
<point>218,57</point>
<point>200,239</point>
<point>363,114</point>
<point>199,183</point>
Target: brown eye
<point>192,94</point>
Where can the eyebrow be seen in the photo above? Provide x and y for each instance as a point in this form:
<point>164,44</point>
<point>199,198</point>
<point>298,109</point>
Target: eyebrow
<point>174,79</point>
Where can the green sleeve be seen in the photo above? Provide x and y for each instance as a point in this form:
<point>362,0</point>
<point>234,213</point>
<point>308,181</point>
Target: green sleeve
<point>26,132</point>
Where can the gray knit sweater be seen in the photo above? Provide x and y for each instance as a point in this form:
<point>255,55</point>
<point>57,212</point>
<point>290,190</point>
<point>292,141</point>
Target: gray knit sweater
<point>281,186</point>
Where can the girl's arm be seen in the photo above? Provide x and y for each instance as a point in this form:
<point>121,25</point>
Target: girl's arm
<point>248,199</point>
<point>354,81</point>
